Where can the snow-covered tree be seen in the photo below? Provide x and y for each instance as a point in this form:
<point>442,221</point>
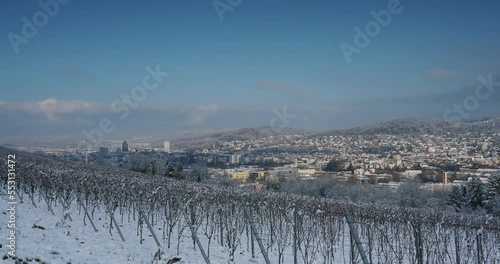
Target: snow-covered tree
<point>411,194</point>
<point>152,168</point>
<point>169,169</point>
<point>199,172</point>
<point>493,187</point>
<point>493,194</point>
<point>457,197</point>
<point>138,163</point>
<point>474,196</point>
<point>173,171</point>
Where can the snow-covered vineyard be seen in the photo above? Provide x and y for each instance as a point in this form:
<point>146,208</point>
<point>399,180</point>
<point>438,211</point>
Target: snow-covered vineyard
<point>126,217</point>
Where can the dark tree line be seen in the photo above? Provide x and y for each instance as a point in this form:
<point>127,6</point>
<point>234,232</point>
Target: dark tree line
<point>476,196</point>
<point>173,171</point>
<point>150,166</point>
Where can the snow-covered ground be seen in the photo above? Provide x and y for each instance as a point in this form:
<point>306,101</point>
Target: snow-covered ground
<point>57,239</point>
<point>66,241</point>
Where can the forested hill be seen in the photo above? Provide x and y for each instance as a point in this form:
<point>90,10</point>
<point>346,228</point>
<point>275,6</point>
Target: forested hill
<point>410,126</point>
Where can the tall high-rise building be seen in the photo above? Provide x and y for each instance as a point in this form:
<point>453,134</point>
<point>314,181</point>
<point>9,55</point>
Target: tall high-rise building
<point>103,152</point>
<point>235,159</point>
<point>124,146</point>
<point>166,146</point>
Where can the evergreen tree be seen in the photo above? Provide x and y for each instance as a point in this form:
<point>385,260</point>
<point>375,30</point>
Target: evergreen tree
<point>493,194</point>
<point>493,187</point>
<point>474,193</point>
<point>350,168</point>
<point>178,172</point>
<point>457,198</point>
<point>494,206</point>
<point>334,166</point>
<point>173,171</point>
<point>152,167</point>
<point>169,169</point>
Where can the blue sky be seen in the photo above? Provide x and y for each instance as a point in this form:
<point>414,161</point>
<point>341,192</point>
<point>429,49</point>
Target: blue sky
<point>262,55</point>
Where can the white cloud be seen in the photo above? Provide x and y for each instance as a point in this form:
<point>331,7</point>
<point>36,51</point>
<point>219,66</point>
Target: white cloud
<point>53,110</point>
<point>71,117</point>
<point>50,108</point>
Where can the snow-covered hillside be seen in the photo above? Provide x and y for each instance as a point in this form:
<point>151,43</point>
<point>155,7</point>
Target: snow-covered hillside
<point>57,239</point>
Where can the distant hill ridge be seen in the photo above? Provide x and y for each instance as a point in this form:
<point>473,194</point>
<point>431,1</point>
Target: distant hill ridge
<point>191,140</point>
<point>215,136</point>
<point>423,126</point>
<point>405,126</point>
